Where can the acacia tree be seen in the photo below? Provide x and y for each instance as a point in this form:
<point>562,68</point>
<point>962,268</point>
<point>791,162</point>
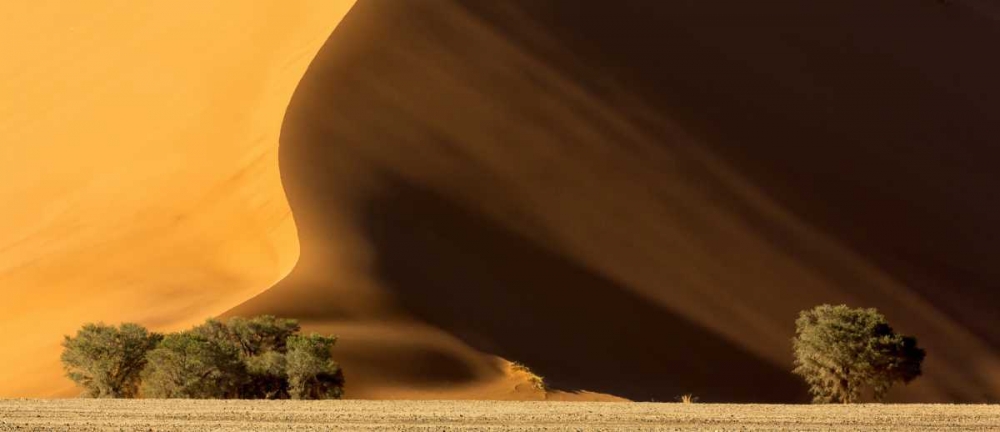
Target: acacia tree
<point>312,373</point>
<point>267,376</point>
<point>261,334</point>
<point>245,358</point>
<point>841,352</point>
<point>188,365</point>
<point>248,337</point>
<point>255,358</point>
<point>107,360</point>
<point>259,344</point>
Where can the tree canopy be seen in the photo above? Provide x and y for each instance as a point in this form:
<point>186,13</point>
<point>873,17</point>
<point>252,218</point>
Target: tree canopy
<point>246,358</point>
<point>842,352</point>
<point>106,361</point>
<point>189,365</point>
<point>312,373</point>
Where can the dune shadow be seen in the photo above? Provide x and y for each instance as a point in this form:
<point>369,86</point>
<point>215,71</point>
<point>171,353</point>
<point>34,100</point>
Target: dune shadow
<point>457,269</point>
<point>504,294</point>
<point>833,128</point>
<point>407,364</point>
<point>869,132</point>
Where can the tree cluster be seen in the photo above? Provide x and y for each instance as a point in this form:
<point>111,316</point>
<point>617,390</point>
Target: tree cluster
<point>257,358</point>
<point>842,353</point>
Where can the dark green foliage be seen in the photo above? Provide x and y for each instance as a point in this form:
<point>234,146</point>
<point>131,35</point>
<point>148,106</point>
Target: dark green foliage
<point>842,352</point>
<point>268,377</point>
<point>106,360</point>
<point>250,337</point>
<point>190,365</point>
<point>312,373</point>
<point>259,345</point>
<point>256,358</point>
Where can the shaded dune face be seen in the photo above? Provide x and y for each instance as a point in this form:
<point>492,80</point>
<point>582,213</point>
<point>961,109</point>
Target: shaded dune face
<point>876,123</point>
<point>139,166</point>
<point>638,199</point>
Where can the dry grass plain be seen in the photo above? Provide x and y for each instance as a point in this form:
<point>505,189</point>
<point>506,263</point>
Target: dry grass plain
<point>189,415</point>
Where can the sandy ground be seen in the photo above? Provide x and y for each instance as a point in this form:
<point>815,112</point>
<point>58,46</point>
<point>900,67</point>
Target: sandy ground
<point>160,415</point>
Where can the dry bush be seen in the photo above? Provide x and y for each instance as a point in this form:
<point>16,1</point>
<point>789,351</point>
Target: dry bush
<point>688,399</point>
<point>537,381</point>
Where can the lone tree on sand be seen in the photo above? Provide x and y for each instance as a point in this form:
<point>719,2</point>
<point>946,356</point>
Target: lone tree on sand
<point>841,352</point>
<point>106,360</point>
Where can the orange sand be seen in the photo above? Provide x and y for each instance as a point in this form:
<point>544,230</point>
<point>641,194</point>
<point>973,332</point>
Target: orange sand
<point>138,152</point>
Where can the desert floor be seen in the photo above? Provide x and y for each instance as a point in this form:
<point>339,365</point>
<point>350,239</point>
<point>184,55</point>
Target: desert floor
<point>169,415</point>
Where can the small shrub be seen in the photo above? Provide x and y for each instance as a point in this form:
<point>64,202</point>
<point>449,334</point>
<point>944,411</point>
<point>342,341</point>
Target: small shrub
<point>106,360</point>
<point>537,381</point>
<point>688,399</point>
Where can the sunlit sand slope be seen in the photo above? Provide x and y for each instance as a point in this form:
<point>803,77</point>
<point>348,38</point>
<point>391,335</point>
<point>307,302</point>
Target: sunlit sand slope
<point>138,164</point>
<point>638,197</point>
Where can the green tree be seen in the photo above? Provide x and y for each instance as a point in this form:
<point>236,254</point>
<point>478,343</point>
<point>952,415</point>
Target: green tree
<point>106,360</point>
<point>267,376</point>
<point>842,352</point>
<point>191,366</point>
<point>263,333</point>
<point>259,343</point>
<point>250,336</point>
<point>312,373</point>
<point>255,358</point>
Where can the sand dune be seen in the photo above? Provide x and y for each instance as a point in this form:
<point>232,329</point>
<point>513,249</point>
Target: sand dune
<point>637,199</point>
<point>632,199</point>
<point>138,165</point>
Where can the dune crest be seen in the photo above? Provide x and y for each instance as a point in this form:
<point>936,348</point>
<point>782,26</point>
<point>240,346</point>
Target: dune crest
<point>139,158</point>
